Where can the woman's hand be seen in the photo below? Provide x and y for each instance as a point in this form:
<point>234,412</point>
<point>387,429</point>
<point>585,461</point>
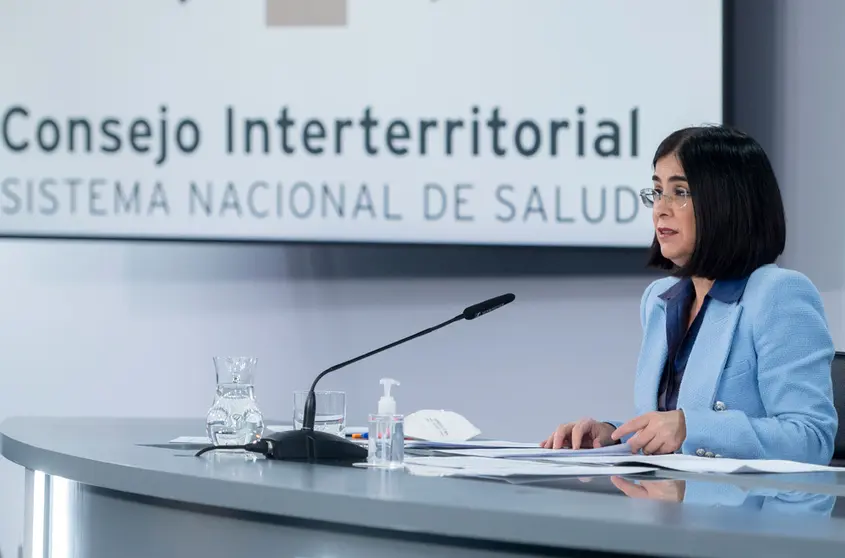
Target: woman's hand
<point>656,432</point>
<point>666,490</point>
<point>586,433</point>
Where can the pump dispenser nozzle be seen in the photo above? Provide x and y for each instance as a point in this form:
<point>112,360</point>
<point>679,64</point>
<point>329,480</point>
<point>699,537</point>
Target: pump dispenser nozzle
<point>387,404</point>
<point>386,438</point>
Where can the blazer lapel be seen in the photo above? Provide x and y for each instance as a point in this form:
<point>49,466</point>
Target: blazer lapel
<point>652,359</point>
<point>709,354</point>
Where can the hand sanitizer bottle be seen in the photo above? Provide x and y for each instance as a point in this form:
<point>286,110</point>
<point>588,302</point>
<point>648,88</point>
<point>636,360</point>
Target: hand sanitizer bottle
<point>386,436</point>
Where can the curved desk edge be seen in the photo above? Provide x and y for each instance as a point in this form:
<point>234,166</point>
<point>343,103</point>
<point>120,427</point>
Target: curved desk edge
<point>557,519</point>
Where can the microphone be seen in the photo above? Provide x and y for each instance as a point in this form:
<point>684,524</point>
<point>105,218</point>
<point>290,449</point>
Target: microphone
<point>469,313</point>
<point>307,444</point>
<point>478,310</point>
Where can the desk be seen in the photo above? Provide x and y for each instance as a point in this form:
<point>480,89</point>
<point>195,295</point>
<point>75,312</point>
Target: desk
<point>94,490</point>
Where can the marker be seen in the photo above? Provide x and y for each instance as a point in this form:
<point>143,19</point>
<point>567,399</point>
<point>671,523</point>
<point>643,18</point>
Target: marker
<point>366,436</point>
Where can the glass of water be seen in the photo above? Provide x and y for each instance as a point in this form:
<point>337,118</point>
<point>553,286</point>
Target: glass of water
<point>330,415</point>
<point>234,418</point>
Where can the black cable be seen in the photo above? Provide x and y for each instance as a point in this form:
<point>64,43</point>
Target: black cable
<point>261,446</point>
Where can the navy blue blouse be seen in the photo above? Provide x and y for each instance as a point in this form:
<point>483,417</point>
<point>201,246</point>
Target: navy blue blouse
<point>680,340</point>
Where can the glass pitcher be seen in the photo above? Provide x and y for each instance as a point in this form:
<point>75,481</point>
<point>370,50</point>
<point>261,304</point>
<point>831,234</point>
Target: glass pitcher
<point>234,418</point>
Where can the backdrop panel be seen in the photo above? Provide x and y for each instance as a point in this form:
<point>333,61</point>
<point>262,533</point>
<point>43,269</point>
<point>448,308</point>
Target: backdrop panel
<point>421,121</point>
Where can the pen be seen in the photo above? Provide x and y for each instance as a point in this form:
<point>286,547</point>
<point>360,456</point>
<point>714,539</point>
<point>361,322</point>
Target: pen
<point>366,436</point>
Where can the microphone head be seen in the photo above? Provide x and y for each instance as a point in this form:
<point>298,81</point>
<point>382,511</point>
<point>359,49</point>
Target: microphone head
<point>476,310</point>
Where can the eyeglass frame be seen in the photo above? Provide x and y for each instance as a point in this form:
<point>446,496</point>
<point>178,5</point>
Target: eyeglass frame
<point>671,199</point>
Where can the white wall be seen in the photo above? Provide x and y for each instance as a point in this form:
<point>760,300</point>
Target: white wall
<point>789,95</point>
<point>129,329</point>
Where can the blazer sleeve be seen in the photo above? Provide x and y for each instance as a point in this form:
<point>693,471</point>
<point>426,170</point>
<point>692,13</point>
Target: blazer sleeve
<point>794,354</point>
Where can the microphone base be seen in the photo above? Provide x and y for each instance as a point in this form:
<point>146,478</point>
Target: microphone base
<point>314,446</point>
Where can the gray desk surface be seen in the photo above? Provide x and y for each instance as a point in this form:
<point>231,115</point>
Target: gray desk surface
<point>722,516</point>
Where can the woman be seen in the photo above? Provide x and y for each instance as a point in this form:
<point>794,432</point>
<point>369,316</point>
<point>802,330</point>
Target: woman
<point>736,353</point>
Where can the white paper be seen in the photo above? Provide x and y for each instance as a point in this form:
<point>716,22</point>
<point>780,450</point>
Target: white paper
<point>491,467</point>
<point>533,451</point>
<point>468,445</point>
<point>204,440</point>
<point>439,426</point>
<point>695,464</point>
<point>191,440</point>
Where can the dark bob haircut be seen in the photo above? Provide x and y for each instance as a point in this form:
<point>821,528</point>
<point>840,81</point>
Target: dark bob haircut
<point>739,217</point>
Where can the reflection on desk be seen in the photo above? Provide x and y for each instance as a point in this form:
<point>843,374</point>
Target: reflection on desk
<point>703,493</point>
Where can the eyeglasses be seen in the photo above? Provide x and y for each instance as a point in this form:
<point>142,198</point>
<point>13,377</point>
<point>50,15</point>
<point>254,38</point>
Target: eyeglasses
<point>650,197</point>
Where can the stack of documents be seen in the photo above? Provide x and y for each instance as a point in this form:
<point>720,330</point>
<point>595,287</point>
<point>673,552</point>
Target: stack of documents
<point>695,464</point>
<point>497,458</point>
<point>470,445</point>
<point>620,455</point>
<point>491,467</point>
<point>520,450</point>
<point>451,434</point>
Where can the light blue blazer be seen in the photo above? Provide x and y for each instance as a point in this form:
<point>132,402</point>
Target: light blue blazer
<point>757,384</point>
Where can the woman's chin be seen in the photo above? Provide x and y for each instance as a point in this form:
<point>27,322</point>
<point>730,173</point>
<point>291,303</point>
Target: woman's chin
<point>674,256</point>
